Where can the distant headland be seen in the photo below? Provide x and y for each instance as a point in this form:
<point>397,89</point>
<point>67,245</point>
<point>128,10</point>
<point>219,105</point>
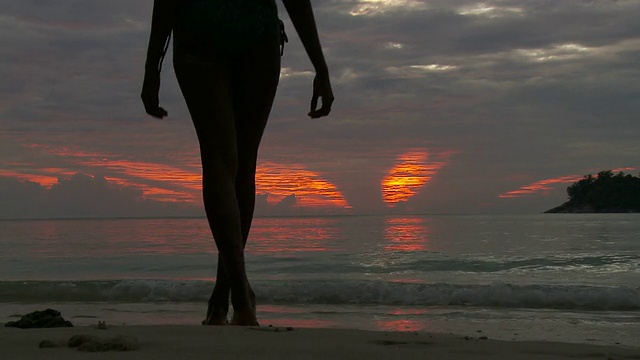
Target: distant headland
<point>605,193</point>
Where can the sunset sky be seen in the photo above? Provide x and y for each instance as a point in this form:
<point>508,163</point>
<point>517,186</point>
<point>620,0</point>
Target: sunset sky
<point>442,107</point>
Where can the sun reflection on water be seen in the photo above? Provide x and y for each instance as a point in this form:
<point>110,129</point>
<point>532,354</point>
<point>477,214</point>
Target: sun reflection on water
<point>286,235</point>
<point>400,325</point>
<point>405,323</point>
<point>406,234</point>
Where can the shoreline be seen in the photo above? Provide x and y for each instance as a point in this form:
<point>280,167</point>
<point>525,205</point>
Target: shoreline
<point>229,342</point>
<point>605,328</point>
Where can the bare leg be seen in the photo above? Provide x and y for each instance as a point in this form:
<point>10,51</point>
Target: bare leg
<point>207,91</point>
<point>251,88</point>
<point>218,306</point>
<point>256,81</point>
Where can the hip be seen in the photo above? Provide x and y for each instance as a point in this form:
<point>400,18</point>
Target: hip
<point>224,26</point>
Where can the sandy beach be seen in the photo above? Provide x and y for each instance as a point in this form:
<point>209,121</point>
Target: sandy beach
<point>201,342</point>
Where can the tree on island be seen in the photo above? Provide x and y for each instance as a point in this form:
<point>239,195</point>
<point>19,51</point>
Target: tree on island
<point>605,193</point>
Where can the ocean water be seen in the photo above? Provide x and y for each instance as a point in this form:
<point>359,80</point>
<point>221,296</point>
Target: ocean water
<point>560,277</point>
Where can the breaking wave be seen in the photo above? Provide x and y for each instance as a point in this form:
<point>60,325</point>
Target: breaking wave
<point>352,292</point>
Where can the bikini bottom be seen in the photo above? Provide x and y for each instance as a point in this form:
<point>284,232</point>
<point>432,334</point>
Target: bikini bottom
<point>229,26</point>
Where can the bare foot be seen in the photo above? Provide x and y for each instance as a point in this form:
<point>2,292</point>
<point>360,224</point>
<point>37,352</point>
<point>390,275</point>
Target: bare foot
<point>244,318</point>
<point>215,318</point>
<point>217,314</point>
<point>215,321</point>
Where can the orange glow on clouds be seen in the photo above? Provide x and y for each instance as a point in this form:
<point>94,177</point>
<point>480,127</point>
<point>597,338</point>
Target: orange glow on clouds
<point>309,188</point>
<point>153,172</point>
<point>163,182</point>
<point>544,186</point>
<point>138,169</point>
<point>411,173</point>
<point>157,181</point>
<point>43,180</point>
<point>154,192</point>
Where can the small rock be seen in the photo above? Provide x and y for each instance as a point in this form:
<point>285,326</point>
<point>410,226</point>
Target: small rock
<point>124,343</point>
<point>483,338</point>
<point>44,344</point>
<point>77,340</point>
<point>94,346</point>
<point>48,318</point>
<point>88,343</point>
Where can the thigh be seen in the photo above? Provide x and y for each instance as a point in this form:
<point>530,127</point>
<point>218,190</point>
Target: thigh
<point>255,80</point>
<point>206,85</point>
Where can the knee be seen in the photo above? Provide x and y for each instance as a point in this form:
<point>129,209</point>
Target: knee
<point>246,172</point>
<point>246,178</point>
<point>216,167</point>
<point>217,185</point>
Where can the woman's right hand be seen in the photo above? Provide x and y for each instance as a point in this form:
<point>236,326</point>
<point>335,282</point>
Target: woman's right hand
<point>321,89</point>
<point>150,90</point>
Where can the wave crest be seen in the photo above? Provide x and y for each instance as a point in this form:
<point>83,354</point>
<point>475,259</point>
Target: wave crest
<point>497,294</point>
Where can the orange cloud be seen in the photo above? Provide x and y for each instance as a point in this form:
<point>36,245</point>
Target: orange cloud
<point>43,180</point>
<point>138,169</point>
<point>168,183</point>
<point>156,193</point>
<point>309,188</point>
<point>411,173</point>
<point>544,186</point>
<point>157,181</point>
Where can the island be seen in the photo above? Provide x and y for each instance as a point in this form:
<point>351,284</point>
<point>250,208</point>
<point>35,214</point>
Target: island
<point>605,193</point>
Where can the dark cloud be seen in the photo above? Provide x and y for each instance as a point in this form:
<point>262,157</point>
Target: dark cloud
<point>82,196</point>
<point>537,89</point>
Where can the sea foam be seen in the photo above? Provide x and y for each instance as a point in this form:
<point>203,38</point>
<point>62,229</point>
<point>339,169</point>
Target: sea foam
<point>350,292</point>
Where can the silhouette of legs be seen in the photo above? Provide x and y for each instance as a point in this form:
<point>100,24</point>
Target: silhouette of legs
<point>229,101</point>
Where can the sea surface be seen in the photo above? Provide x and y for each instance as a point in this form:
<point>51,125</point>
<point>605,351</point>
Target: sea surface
<point>558,277</point>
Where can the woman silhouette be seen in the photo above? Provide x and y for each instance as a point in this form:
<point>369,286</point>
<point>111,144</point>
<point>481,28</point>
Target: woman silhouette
<point>227,62</point>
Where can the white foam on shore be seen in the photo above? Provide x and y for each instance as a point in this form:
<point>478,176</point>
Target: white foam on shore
<point>350,292</point>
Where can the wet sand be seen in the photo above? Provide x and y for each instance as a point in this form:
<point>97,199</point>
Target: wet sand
<point>204,342</point>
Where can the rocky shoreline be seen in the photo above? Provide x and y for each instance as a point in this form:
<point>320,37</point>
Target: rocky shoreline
<point>569,208</point>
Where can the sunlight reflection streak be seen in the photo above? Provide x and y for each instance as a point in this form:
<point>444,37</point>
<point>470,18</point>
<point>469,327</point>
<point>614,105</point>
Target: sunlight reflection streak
<point>406,234</point>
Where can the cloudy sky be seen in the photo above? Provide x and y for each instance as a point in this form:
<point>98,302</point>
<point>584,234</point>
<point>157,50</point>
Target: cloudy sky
<point>442,106</point>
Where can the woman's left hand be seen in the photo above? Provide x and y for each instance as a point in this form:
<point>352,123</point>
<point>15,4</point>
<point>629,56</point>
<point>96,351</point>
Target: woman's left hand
<point>321,89</point>
<point>150,90</point>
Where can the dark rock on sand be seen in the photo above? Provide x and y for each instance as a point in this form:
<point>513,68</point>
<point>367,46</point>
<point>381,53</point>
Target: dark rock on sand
<point>90,343</point>
<point>50,344</point>
<point>48,318</point>
<point>77,340</point>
